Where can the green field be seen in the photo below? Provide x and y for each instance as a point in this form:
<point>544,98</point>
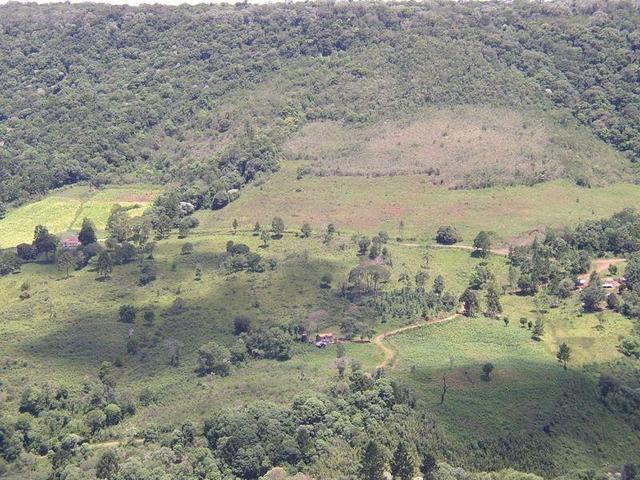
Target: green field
<point>63,210</point>
<point>68,327</point>
<point>528,390</point>
<point>362,204</point>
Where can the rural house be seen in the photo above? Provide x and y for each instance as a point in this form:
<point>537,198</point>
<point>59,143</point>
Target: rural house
<point>71,242</point>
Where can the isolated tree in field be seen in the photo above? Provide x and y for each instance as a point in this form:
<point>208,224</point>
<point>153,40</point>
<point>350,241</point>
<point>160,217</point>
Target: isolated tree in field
<point>187,248</point>
<point>277,227</point>
<point>470,303</point>
<point>119,223</point>
<point>402,465</point>
<point>564,354</point>
<point>538,330</point>
<point>241,324</point>
<point>372,462</point>
<point>183,228</point>
<point>104,265</point>
<point>421,279</point>
<point>264,236</point>
<point>447,235</point>
<point>127,313</point>
<point>363,245</point>
<point>487,368</point>
<point>438,285</point>
<point>108,466</point>
<point>214,358</point>
<point>149,317</point>
<point>325,280</point>
<point>492,301</point>
<point>482,244</point>
<point>329,233</point>
<point>66,261</point>
<point>198,272</point>
<point>305,230</point>
<point>401,229</point>
<point>87,233</point>
<point>234,225</point>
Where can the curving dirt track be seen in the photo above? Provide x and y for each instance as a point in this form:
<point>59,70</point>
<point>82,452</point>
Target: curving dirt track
<point>390,354</point>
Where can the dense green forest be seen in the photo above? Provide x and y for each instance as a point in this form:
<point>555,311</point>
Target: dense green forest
<point>208,94</point>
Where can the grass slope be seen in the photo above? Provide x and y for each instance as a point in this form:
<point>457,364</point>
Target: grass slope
<point>64,210</point>
<point>472,146</point>
<point>69,326</point>
<point>370,204</point>
<point>527,391</point>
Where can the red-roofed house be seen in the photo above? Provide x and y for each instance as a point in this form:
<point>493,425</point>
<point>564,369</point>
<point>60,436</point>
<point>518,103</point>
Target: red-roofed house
<point>71,242</point>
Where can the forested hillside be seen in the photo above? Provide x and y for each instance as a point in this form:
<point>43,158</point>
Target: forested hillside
<point>212,93</point>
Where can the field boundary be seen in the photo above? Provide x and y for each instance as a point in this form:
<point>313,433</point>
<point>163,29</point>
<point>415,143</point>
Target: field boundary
<point>389,353</point>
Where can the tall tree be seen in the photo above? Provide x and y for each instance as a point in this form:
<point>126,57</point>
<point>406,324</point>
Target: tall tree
<point>104,265</point>
<point>108,465</point>
<point>470,303</point>
<point>593,294</point>
<point>492,301</point>
<point>372,462</point>
<point>277,227</point>
<point>402,464</point>
<point>428,466</point>
<point>44,241</point>
<point>66,261</point>
<point>482,244</point>
<point>564,354</point>
<point>118,224</point>
<point>538,330</point>
<point>87,233</point>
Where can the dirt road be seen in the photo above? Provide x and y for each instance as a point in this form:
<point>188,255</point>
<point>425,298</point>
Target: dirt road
<point>600,265</point>
<point>496,251</point>
<point>390,354</point>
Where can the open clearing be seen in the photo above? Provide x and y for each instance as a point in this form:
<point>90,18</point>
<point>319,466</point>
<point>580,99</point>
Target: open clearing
<point>464,146</point>
<point>64,210</point>
<point>528,390</point>
<point>368,205</point>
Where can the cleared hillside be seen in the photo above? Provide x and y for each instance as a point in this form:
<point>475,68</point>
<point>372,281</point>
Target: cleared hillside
<point>466,147</point>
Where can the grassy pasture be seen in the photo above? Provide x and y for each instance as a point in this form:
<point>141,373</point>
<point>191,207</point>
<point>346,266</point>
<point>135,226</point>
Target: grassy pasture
<point>69,326</point>
<point>527,391</point>
<point>367,205</point>
<point>63,210</point>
